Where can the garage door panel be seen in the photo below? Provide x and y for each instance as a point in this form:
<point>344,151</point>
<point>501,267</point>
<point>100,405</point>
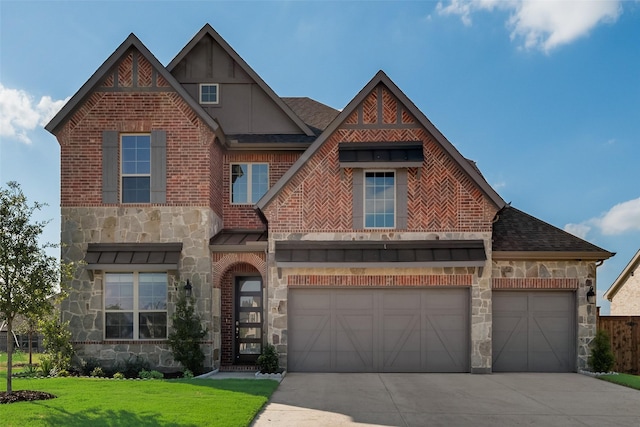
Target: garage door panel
<point>533,331</point>
<point>380,330</point>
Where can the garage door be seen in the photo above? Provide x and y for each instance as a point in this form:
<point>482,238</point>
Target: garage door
<point>378,330</point>
<point>533,331</point>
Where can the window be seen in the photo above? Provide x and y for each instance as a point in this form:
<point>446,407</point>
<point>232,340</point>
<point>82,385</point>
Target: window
<point>209,93</point>
<point>135,305</point>
<point>379,199</point>
<point>249,182</point>
<point>136,168</point>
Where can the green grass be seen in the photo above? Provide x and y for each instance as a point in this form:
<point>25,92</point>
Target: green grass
<point>626,380</point>
<point>104,402</point>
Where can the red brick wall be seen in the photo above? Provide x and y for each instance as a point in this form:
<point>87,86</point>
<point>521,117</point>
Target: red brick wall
<point>190,142</point>
<point>533,283</point>
<point>227,329</point>
<point>441,197</point>
<point>417,280</point>
<point>244,216</point>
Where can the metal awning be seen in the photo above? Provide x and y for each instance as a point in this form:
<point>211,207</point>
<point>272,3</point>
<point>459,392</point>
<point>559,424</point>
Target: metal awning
<point>378,154</point>
<point>239,241</point>
<point>382,254</point>
<point>133,256</point>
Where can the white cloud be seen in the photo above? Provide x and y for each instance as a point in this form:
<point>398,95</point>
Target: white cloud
<point>622,218</point>
<point>579,230</point>
<point>541,24</point>
<point>20,113</point>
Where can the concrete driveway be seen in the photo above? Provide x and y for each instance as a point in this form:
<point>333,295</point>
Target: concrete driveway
<point>449,400</point>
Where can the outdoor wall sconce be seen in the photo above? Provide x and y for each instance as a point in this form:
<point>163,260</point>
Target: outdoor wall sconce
<point>591,296</point>
<point>188,289</point>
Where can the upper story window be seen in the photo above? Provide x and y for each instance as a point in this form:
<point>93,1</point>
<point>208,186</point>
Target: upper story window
<point>209,93</point>
<point>135,305</point>
<point>136,168</point>
<point>249,182</point>
<point>379,199</point>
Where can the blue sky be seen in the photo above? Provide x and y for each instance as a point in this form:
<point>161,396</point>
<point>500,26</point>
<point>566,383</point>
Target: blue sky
<point>543,95</point>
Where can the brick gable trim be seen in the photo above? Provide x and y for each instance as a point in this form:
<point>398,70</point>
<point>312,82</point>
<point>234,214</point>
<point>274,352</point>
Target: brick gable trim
<point>120,54</point>
<point>353,106</point>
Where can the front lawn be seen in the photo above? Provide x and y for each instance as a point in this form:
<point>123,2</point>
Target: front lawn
<point>626,380</point>
<point>108,402</point>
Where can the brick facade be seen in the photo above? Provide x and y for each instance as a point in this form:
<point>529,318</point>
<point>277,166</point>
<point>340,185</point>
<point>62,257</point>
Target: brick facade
<point>446,200</point>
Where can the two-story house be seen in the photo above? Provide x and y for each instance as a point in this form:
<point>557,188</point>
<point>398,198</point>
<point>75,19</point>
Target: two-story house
<point>357,240</point>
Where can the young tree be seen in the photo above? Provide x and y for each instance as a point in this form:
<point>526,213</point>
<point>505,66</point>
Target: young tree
<point>28,276</point>
<point>187,332</point>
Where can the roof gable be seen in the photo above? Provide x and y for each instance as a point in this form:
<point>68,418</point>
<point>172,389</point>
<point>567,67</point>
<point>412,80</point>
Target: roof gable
<point>347,116</point>
<point>103,73</point>
<point>623,277</point>
<point>247,72</point>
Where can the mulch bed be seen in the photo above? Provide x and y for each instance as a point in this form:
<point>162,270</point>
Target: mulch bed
<point>24,395</point>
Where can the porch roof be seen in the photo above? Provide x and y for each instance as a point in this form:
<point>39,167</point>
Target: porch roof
<point>133,256</point>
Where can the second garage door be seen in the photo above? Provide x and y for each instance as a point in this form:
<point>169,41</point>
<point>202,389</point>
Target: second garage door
<point>533,331</point>
<point>378,330</point>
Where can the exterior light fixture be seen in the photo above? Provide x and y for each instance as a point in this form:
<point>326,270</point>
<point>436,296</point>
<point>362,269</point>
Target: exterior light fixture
<point>188,289</point>
<point>591,296</point>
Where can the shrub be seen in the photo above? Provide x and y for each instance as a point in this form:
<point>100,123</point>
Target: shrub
<point>268,361</point>
<point>187,374</point>
<point>151,375</point>
<point>133,366</point>
<point>602,358</point>
<point>97,372</point>
<point>87,365</point>
<point>30,371</point>
<point>46,365</point>
<point>63,373</point>
<point>185,337</point>
<point>118,376</point>
<point>57,341</point>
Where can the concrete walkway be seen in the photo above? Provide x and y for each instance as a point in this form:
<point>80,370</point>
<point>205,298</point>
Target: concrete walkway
<point>449,400</point>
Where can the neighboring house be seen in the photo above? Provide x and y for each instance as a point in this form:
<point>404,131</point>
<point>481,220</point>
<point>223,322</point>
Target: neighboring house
<point>624,293</point>
<point>353,240</point>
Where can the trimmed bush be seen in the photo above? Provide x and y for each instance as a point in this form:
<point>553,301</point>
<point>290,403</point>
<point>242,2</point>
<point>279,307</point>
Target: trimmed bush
<point>268,361</point>
<point>602,358</point>
<point>151,375</point>
<point>118,376</point>
<point>97,372</point>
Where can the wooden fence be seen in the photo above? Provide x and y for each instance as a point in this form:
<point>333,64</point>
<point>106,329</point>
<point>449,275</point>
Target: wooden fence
<point>624,332</point>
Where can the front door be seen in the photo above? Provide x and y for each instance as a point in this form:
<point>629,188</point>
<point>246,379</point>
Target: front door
<point>248,315</point>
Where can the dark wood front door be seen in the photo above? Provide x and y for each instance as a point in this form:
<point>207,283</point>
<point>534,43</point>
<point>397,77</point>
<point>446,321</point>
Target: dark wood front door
<point>248,315</point>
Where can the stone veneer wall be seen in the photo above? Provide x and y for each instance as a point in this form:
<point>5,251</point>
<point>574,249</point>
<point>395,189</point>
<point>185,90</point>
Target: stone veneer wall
<point>545,275</point>
<point>480,285</point>
<point>193,226</point>
<point>626,301</point>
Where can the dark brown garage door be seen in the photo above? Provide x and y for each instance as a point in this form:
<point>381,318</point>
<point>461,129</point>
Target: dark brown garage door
<point>533,331</point>
<point>378,330</point>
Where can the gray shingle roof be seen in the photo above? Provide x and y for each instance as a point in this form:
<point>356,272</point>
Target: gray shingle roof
<point>313,113</point>
<point>516,231</point>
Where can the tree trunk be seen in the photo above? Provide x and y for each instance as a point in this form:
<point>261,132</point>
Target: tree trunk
<point>9,354</point>
<point>30,334</point>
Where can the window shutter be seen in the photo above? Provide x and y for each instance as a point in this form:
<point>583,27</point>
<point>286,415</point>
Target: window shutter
<point>110,167</point>
<point>401,199</point>
<point>158,166</point>
<point>358,199</point>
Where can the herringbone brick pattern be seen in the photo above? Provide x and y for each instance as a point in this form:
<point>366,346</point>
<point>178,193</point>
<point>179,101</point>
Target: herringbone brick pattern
<point>441,197</point>
<point>145,72</point>
<point>125,71</point>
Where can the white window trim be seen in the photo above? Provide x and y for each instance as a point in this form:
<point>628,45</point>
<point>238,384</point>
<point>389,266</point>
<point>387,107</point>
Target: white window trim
<point>136,311</point>
<point>249,202</point>
<point>364,198</point>
<point>132,175</point>
<point>217,85</point>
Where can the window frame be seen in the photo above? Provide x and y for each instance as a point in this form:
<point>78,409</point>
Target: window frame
<point>217,101</point>
<point>249,189</point>
<point>364,198</point>
<point>124,175</point>
<point>136,311</point>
